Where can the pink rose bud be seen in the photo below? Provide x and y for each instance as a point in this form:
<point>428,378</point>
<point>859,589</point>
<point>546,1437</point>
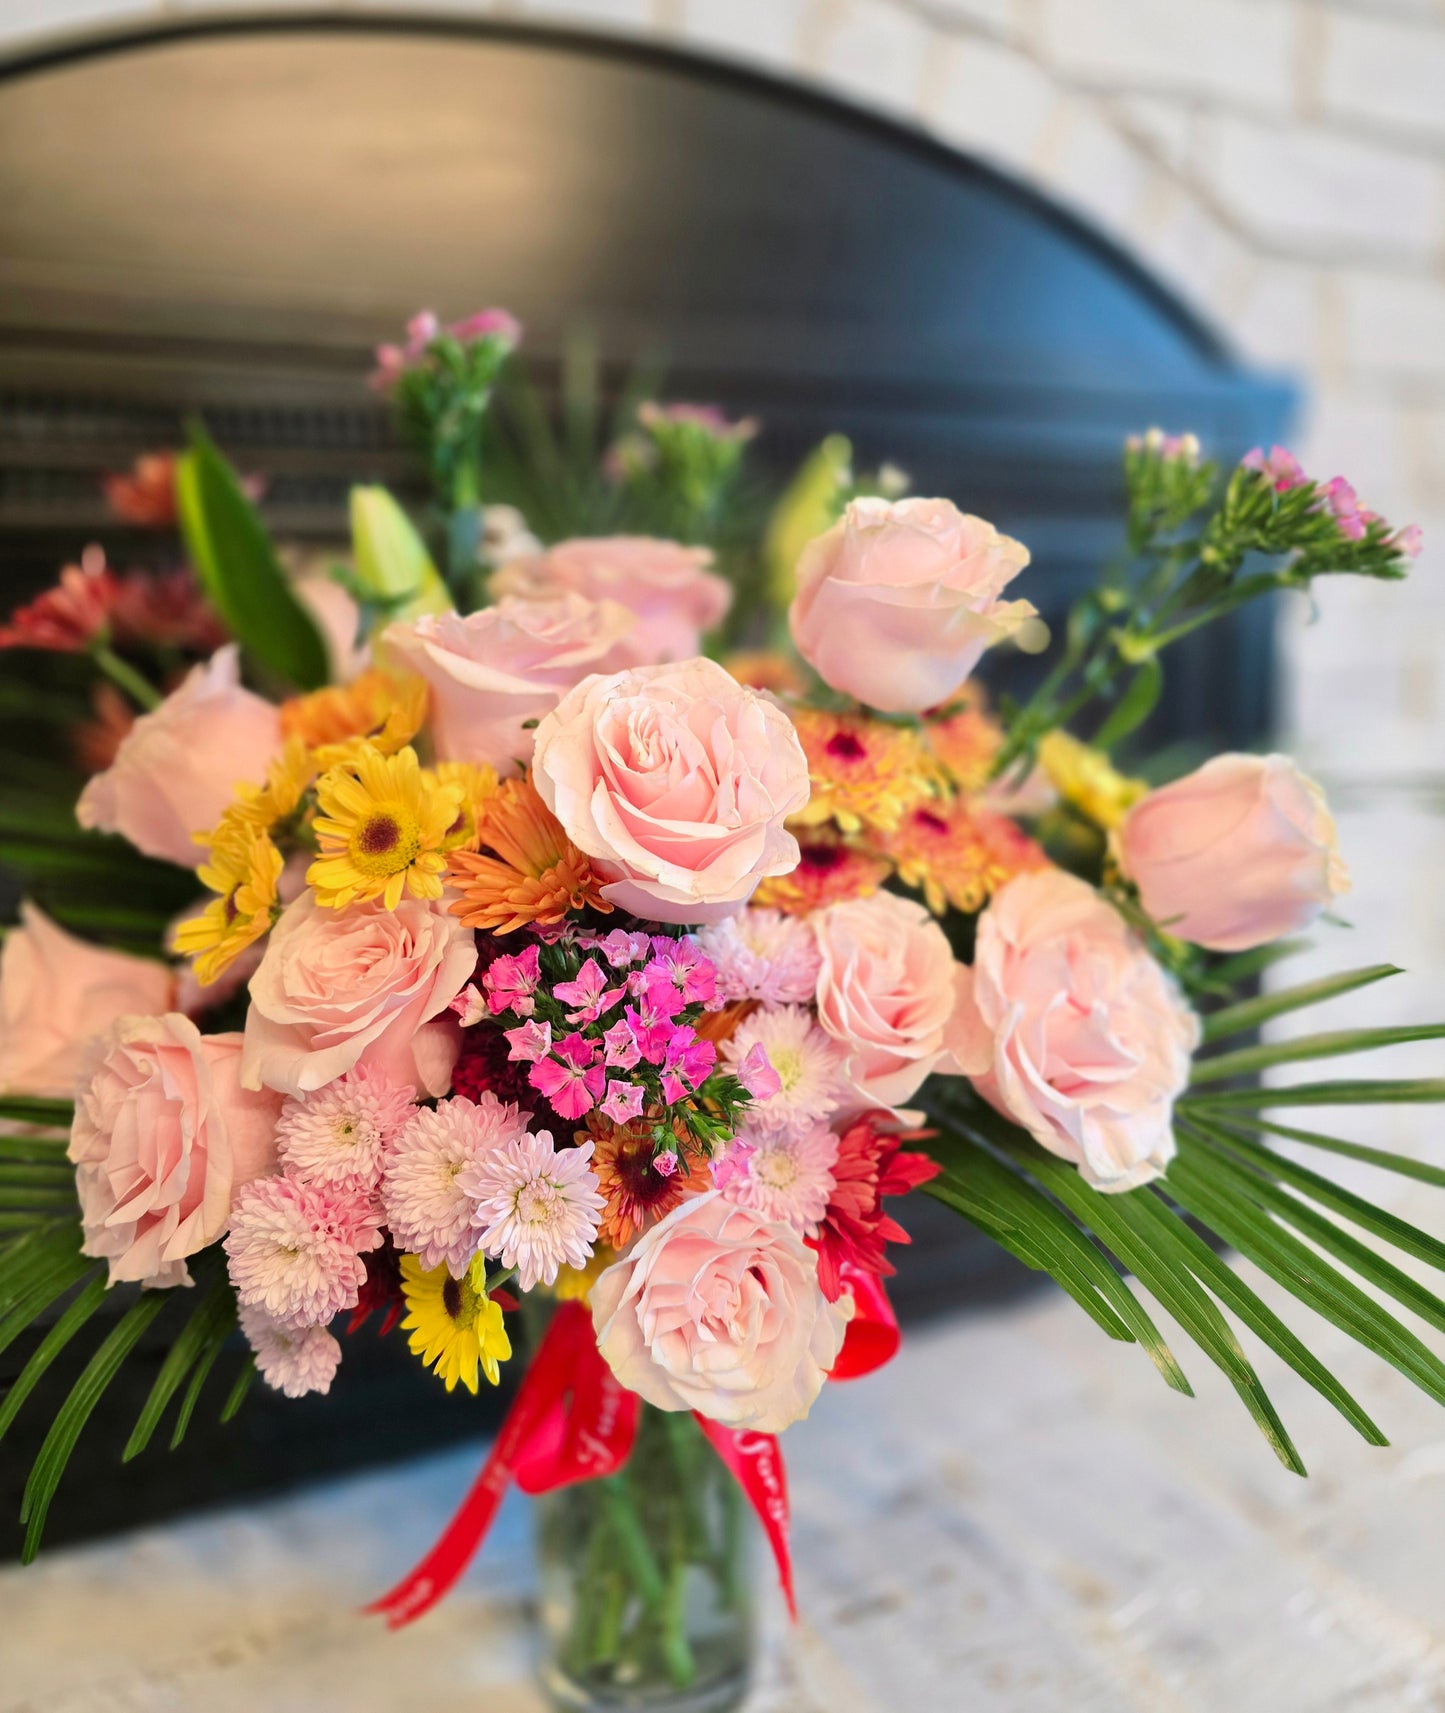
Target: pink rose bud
<point>667,587</point>
<point>1235,854</point>
<point>897,602</point>
<point>178,767</point>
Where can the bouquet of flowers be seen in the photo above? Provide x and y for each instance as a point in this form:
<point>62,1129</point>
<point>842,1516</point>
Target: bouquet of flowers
<point>551,963</point>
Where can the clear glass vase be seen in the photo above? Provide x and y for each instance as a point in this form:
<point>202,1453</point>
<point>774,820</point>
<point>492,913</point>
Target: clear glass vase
<point>645,1581</point>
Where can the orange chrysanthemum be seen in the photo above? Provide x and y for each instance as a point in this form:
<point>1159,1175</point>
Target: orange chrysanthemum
<point>829,870</point>
<point>635,1192</point>
<point>527,869</point>
<point>374,708</point>
<point>957,855</point>
<point>864,773</point>
<point>965,744</point>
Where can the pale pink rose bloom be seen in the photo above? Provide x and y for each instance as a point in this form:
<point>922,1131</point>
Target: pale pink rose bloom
<point>178,767</point>
<point>164,1136</point>
<point>899,599</point>
<point>667,587</point>
<point>718,1310</point>
<point>888,989</point>
<point>1235,854</point>
<point>676,781</point>
<point>1083,1038</point>
<point>362,986</point>
<point>337,617</point>
<point>57,994</point>
<point>496,670</point>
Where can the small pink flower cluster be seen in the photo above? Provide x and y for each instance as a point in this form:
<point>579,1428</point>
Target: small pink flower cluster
<point>393,361</point>
<point>652,987</point>
<point>1337,497</point>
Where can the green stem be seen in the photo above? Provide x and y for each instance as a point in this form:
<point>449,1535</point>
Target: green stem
<point>121,672</point>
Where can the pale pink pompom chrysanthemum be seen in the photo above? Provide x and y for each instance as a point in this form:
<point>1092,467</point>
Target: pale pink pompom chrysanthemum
<point>784,1175</point>
<point>340,1134</point>
<point>295,1360</point>
<point>430,1214</point>
<point>763,955</point>
<point>808,1061</point>
<point>295,1249</point>
<point>539,1206</point>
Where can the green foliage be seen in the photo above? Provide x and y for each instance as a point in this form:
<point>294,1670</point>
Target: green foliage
<point>1318,1240</point>
<point>237,564</point>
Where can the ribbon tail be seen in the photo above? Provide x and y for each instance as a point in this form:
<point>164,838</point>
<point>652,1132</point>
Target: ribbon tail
<point>756,1462</point>
<point>542,1386</point>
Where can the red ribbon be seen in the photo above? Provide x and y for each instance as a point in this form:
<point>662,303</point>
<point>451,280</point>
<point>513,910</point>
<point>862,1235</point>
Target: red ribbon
<point>572,1421</point>
<point>539,1437</point>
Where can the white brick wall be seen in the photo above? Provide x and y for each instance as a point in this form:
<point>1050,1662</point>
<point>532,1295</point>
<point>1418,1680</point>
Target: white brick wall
<point>1280,162</point>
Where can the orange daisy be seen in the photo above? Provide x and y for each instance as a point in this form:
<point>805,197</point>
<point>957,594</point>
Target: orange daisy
<point>864,773</point>
<point>958,855</point>
<point>527,869</point>
<point>829,870</point>
<point>635,1192</point>
<point>374,708</point>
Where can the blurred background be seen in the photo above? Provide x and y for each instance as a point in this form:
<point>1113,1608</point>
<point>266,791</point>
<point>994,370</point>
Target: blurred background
<point>984,239</point>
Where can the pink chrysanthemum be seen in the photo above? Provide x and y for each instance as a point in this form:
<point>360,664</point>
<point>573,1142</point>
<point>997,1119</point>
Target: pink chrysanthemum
<point>539,1207</point>
<point>295,1360</point>
<point>429,1213</point>
<point>765,955</point>
<point>808,1061</point>
<point>295,1249</point>
<point>339,1134</point>
<point>784,1175</point>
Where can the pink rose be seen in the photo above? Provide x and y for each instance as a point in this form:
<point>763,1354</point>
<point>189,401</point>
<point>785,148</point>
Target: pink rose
<point>898,600</point>
<point>1085,1038</point>
<point>676,781</point>
<point>178,767</point>
<point>363,986</point>
<point>164,1136</point>
<point>57,994</point>
<point>1235,854</point>
<point>498,669</point>
<point>718,1310</point>
<point>888,988</point>
<point>667,587</point>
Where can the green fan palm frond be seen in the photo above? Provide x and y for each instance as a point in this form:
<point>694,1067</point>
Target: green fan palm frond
<point>1324,1244</point>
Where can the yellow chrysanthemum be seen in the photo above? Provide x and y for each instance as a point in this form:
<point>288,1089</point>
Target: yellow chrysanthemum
<point>1084,777</point>
<point>829,871</point>
<point>574,1283</point>
<point>966,742</point>
<point>392,708</point>
<point>478,785</point>
<point>455,1328</point>
<point>381,828</point>
<point>244,869</point>
<point>957,855</point>
<point>266,806</point>
<point>864,773</point>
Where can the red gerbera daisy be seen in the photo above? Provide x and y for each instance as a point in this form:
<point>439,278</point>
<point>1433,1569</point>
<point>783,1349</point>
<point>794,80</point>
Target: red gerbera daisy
<point>871,1164</point>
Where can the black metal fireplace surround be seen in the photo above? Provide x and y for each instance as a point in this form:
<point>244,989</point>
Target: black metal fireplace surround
<point>224,217</point>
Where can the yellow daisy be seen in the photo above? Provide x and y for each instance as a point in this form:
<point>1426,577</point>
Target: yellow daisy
<point>266,806</point>
<point>381,828</point>
<point>478,785</point>
<point>1085,778</point>
<point>244,869</point>
<point>574,1283</point>
<point>454,1326</point>
<point>864,773</point>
